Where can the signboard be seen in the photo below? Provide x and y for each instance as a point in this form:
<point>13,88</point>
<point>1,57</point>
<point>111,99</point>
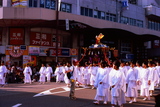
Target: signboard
<point>16,36</point>
<point>34,50</point>
<point>156,43</point>
<point>19,3</point>
<point>61,52</point>
<point>26,59</point>
<point>74,52</point>
<point>43,51</point>
<point>40,39</point>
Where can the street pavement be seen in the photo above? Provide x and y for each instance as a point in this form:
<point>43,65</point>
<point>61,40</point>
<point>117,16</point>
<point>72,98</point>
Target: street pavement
<point>55,95</point>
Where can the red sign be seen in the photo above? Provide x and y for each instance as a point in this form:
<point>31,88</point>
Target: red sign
<point>16,36</point>
<point>40,39</point>
<point>53,52</point>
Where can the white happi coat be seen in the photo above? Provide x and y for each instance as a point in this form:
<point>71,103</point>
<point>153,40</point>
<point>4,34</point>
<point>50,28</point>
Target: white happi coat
<point>101,88</point>
<point>60,73</point>
<point>158,69</point>
<point>42,72</point>
<point>27,74</point>
<point>131,80</point>
<point>153,77</point>
<point>79,75</point>
<point>93,74</point>
<point>124,70</point>
<point>3,70</point>
<point>48,73</point>
<point>86,75</point>
<point>139,71</point>
<point>66,80</point>
<point>144,78</point>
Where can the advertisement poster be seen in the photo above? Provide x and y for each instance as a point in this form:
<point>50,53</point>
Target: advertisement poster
<point>61,52</point>
<point>16,36</point>
<point>34,50</point>
<point>8,62</point>
<point>40,39</point>
<point>26,60</point>
<point>19,3</point>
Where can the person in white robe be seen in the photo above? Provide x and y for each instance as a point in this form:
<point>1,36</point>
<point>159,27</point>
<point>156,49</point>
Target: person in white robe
<point>158,70</point>
<point>27,74</point>
<point>93,74</point>
<point>153,77</point>
<point>48,72</point>
<point>42,73</point>
<point>118,85</point>
<point>3,71</point>
<point>143,79</point>
<point>131,80</point>
<point>102,85</point>
<point>86,75</point>
<point>139,68</point>
<point>59,72</point>
<point>123,68</point>
<point>66,80</point>
<point>80,74</point>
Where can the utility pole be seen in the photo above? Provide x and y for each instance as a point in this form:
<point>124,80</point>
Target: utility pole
<point>57,24</point>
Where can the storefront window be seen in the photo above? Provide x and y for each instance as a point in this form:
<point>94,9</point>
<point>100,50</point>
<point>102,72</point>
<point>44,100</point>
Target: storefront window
<point>35,3</point>
<point>47,4</point>
<point>53,5</point>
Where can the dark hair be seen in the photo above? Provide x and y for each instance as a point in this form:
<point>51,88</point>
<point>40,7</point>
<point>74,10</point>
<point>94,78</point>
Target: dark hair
<point>116,63</point>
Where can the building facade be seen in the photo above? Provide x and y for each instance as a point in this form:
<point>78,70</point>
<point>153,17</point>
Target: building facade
<point>33,30</point>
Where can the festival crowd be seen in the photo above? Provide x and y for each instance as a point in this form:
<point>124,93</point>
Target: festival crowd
<point>113,81</point>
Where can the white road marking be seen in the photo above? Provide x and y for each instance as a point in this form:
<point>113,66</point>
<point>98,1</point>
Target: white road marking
<point>48,92</point>
<point>17,105</point>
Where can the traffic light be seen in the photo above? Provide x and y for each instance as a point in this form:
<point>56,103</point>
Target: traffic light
<point>48,52</point>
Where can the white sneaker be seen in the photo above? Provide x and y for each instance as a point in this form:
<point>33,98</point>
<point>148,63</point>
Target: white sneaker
<point>131,102</point>
<point>105,102</point>
<point>135,100</point>
<point>96,102</point>
<point>145,99</point>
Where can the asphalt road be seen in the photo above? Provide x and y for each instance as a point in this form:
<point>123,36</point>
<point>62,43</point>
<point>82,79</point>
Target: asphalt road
<point>54,95</point>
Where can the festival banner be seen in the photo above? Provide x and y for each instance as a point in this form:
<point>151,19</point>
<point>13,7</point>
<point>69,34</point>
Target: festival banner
<point>19,3</point>
<point>40,39</point>
<point>16,36</point>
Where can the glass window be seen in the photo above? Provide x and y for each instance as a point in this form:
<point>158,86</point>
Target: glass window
<point>95,14</point>
<point>90,13</point>
<point>47,4</point>
<point>82,10</point>
<point>66,7</point>
<point>86,11</point>
<point>30,3</point>
<point>103,15</point>
<point>99,14</point>
<point>139,23</point>
<point>107,16</point>
<point>124,20</point>
<point>53,5</point>
<point>35,3</point>
<point>1,3</point>
<point>42,3</point>
<point>132,1</point>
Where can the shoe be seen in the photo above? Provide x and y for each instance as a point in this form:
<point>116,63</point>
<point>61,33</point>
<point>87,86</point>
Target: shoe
<point>131,102</point>
<point>105,102</point>
<point>73,98</point>
<point>134,100</point>
<point>145,99</point>
<point>96,102</point>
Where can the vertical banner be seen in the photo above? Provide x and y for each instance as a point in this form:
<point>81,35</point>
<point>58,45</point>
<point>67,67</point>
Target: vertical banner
<point>19,3</point>
<point>16,36</point>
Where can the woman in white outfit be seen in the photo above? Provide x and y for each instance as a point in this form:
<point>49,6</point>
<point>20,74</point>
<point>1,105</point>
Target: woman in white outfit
<point>48,72</point>
<point>27,74</point>
<point>42,72</point>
